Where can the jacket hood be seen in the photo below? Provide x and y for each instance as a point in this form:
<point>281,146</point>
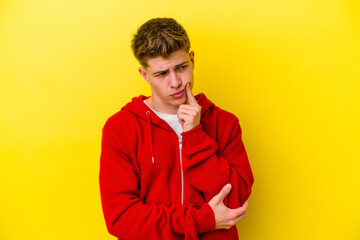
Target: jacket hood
<point>139,108</point>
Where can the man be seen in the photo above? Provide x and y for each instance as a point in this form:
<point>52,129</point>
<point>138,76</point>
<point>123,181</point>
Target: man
<point>173,165</point>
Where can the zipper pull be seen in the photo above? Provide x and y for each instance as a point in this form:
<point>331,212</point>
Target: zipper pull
<point>180,144</point>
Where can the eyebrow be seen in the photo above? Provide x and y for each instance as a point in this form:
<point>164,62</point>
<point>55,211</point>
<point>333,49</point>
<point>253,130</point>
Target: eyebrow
<point>176,66</point>
<point>183,63</point>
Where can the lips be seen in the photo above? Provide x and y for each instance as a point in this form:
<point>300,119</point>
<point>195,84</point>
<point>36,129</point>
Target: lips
<point>178,94</point>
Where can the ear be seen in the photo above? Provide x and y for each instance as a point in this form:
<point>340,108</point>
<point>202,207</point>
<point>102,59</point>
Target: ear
<point>143,73</point>
<point>191,55</point>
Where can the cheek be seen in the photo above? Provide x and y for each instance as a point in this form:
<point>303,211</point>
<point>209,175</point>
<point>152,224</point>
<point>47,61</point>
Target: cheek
<point>188,78</point>
<point>160,88</point>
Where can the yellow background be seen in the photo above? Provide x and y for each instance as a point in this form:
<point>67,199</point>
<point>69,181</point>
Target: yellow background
<point>288,69</point>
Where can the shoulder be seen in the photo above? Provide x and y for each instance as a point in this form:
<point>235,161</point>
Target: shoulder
<point>128,115</point>
<point>120,118</point>
<point>215,113</point>
<point>225,116</point>
<point>120,131</point>
<point>227,123</point>
<point>123,124</point>
<point>210,109</point>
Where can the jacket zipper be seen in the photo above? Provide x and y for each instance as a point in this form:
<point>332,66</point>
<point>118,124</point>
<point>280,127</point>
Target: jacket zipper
<point>181,172</point>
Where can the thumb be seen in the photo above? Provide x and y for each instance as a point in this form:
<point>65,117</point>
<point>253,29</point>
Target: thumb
<point>224,192</point>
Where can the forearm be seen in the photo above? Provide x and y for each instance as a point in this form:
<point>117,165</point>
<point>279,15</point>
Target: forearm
<point>208,171</point>
<point>150,221</point>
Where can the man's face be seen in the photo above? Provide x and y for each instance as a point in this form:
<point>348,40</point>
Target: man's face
<point>168,78</point>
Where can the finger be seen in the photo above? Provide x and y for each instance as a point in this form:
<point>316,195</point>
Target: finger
<point>241,217</point>
<point>190,96</point>
<point>246,203</point>
<point>184,118</point>
<point>224,192</point>
<point>187,106</point>
<point>244,206</point>
<point>242,214</point>
<point>240,210</point>
<point>196,108</point>
<point>181,118</point>
<point>190,112</point>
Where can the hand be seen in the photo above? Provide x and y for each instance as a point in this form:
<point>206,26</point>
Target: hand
<point>189,114</point>
<point>225,217</point>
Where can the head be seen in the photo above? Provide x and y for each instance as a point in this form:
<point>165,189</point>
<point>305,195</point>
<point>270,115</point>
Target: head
<point>159,37</point>
<point>162,47</point>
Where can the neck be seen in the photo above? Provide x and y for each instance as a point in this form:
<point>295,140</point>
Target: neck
<point>159,107</point>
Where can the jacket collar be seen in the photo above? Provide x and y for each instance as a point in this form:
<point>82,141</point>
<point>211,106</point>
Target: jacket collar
<point>139,108</point>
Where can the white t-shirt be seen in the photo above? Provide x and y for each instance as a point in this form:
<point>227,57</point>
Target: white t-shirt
<point>171,119</point>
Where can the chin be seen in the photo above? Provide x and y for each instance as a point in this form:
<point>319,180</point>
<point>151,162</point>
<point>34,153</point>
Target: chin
<point>179,101</point>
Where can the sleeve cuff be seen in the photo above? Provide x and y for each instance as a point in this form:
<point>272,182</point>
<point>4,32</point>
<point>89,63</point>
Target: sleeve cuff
<point>196,140</point>
<point>205,219</point>
<point>195,136</point>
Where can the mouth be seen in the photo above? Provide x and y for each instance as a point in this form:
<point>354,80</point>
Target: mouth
<point>178,94</point>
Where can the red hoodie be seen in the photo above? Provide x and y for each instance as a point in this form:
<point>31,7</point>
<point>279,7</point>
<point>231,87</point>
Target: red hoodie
<point>154,186</point>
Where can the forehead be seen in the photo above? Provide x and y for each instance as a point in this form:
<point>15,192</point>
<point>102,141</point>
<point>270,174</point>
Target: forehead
<point>160,63</point>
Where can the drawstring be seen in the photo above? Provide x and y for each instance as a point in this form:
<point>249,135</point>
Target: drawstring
<point>151,143</point>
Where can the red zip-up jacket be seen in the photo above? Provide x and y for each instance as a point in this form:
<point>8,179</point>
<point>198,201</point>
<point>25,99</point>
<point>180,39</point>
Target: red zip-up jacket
<point>154,186</point>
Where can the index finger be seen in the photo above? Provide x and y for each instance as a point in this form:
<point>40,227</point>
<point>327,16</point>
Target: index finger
<point>190,96</point>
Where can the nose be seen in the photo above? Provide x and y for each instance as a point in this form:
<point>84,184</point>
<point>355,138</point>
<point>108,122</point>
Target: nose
<point>175,81</point>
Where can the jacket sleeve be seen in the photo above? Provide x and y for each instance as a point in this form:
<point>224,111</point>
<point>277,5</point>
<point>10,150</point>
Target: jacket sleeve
<point>126,216</point>
<point>208,171</point>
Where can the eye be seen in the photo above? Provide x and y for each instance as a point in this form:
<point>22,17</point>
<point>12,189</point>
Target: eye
<point>161,74</point>
<point>183,67</point>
